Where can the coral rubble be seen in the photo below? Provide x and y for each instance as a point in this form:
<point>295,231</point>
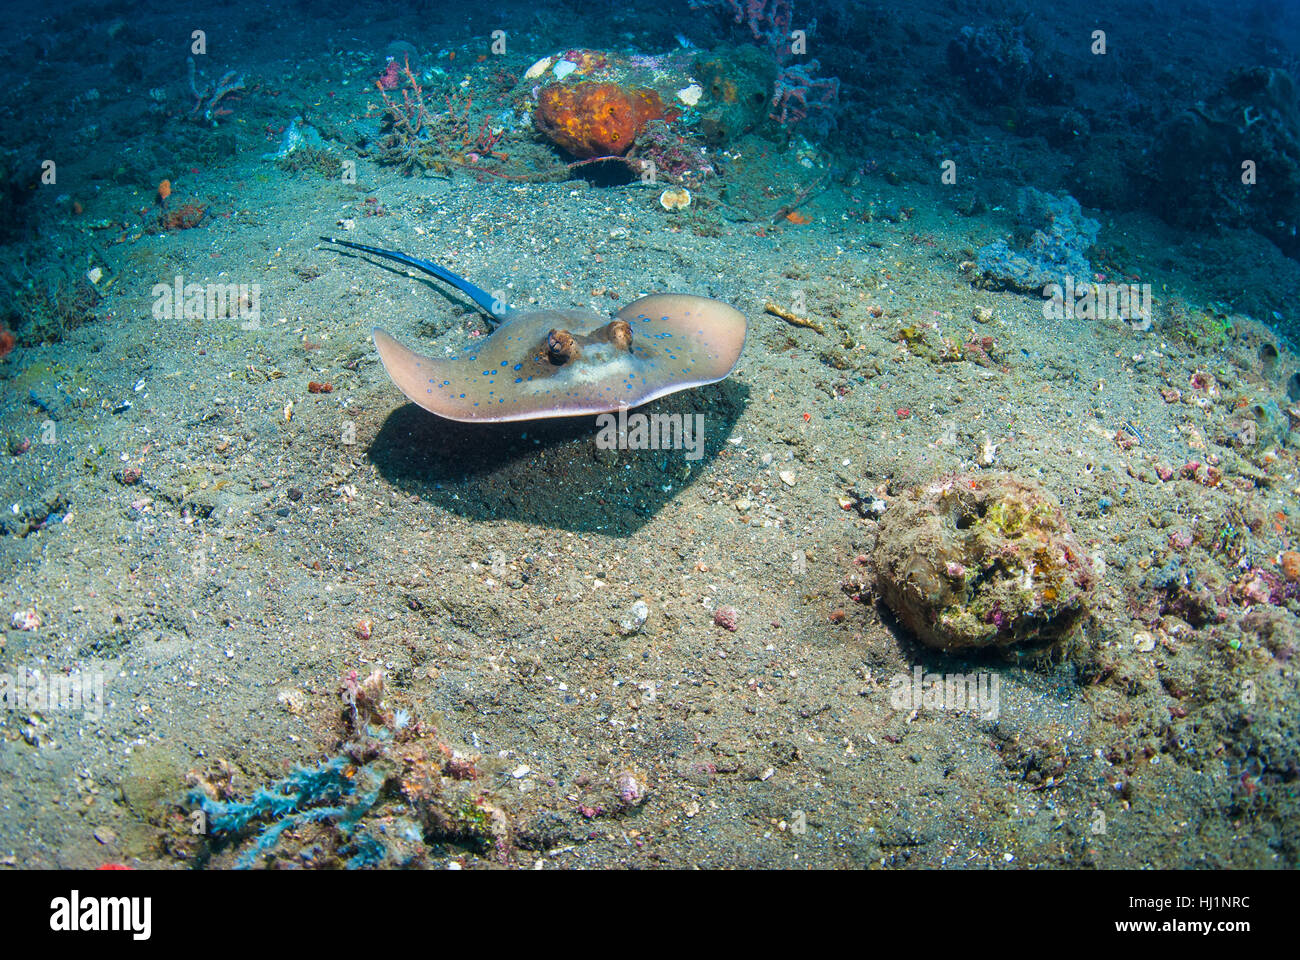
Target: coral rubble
<point>392,790</point>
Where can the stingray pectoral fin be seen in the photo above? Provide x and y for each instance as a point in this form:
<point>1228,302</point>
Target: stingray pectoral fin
<point>711,334</point>
<point>414,375</point>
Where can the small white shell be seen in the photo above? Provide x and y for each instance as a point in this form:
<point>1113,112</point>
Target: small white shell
<point>675,198</point>
<point>563,69</point>
<point>538,68</point>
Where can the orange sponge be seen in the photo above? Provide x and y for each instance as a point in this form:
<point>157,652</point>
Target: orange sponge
<point>594,119</point>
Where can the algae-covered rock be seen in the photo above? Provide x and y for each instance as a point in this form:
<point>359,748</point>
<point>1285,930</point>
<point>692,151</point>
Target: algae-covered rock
<point>1050,245</point>
<point>738,84</point>
<point>988,560</point>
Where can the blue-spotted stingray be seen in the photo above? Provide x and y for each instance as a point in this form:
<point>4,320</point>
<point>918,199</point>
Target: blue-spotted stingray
<point>565,363</point>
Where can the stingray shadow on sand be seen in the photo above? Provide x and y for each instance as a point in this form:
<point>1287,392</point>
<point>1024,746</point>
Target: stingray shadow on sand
<point>550,473</point>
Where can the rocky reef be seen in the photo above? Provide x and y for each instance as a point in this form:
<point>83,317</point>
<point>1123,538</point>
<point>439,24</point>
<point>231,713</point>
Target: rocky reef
<point>1235,159</point>
<point>982,561</point>
<point>999,64</point>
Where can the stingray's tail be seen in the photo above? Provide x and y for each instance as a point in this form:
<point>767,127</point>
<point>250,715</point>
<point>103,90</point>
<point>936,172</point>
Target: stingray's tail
<point>480,296</point>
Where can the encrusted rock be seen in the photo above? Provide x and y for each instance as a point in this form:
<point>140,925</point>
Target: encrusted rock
<point>987,560</point>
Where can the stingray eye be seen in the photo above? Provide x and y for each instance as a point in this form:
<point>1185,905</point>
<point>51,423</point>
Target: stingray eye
<point>619,333</point>
<point>560,347</point>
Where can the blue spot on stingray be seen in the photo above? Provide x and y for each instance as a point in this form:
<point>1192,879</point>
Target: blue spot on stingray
<point>504,362</point>
<point>519,366</point>
<point>462,396</point>
<point>519,379</point>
